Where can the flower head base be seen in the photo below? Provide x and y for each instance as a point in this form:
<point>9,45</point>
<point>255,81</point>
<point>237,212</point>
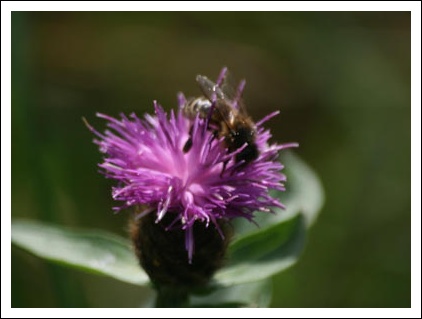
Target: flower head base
<point>203,185</point>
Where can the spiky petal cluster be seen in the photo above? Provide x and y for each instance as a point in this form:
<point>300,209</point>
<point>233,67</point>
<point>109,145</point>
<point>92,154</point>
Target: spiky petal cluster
<point>146,157</point>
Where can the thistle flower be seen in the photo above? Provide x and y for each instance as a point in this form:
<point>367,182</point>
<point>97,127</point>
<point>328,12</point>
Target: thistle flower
<point>178,190</point>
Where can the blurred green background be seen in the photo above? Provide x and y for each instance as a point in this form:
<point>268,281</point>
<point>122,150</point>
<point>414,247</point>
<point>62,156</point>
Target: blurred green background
<point>340,79</point>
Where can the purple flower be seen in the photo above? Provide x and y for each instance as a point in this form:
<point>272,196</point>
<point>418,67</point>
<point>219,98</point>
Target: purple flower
<point>204,185</point>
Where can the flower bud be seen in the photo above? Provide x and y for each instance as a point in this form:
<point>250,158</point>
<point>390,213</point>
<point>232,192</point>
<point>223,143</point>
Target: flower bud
<point>163,256</point>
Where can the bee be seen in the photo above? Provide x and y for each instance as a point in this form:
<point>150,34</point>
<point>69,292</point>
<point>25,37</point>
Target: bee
<point>226,117</point>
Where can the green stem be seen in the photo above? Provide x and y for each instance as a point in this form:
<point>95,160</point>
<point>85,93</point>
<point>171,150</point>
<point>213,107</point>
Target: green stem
<point>171,297</point>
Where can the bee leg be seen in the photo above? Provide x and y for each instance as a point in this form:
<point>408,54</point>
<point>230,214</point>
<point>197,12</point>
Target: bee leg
<point>224,168</point>
<point>209,115</point>
<point>188,145</point>
<point>189,142</point>
<point>214,135</point>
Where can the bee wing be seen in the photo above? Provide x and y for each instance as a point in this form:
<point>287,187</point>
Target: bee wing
<point>240,106</point>
<point>230,93</point>
<point>211,90</point>
<point>229,104</point>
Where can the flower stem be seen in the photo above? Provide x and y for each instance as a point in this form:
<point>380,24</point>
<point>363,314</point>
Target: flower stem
<point>171,297</point>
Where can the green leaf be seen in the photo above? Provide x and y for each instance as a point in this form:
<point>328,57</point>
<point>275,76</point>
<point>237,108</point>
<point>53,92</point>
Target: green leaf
<point>255,294</point>
<point>262,242</point>
<point>305,193</point>
<point>259,252</point>
<point>93,251</point>
<point>267,265</point>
